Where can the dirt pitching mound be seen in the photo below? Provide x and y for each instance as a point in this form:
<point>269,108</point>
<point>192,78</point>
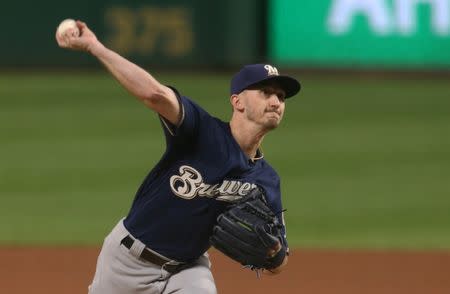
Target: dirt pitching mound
<point>69,270</point>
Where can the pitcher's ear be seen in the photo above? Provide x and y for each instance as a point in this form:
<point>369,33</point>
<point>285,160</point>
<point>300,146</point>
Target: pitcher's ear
<point>236,102</point>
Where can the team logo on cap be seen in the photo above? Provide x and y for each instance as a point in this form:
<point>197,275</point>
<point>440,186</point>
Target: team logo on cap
<point>271,70</point>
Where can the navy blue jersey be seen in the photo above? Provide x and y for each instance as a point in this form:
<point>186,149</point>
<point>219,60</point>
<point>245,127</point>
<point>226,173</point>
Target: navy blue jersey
<point>201,171</point>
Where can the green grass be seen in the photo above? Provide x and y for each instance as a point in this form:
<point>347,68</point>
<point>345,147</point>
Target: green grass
<point>365,163</point>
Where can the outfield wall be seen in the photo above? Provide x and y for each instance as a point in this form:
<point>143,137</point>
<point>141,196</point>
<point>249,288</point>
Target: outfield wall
<point>162,32</point>
<point>362,34</point>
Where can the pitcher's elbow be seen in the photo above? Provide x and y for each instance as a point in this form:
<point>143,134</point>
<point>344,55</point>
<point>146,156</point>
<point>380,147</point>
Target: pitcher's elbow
<point>152,96</point>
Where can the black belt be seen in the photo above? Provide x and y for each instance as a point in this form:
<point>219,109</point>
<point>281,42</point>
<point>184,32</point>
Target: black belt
<point>155,259</point>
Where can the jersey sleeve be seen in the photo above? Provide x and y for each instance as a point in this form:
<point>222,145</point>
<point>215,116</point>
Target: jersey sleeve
<point>191,117</point>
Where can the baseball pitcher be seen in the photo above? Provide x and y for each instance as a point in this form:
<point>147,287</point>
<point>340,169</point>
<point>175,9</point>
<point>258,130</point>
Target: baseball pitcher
<point>212,186</point>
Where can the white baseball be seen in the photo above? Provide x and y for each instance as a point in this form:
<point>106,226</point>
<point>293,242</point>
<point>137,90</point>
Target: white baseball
<point>68,24</point>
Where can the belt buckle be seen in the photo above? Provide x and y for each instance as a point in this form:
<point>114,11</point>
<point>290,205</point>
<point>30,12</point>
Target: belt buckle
<point>172,266</point>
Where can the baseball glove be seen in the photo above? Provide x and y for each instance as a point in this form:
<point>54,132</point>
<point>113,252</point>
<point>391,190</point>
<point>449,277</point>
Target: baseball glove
<point>249,232</point>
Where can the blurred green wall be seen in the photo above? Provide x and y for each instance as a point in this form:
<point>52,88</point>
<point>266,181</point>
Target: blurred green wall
<point>400,34</point>
<point>361,33</point>
<point>169,32</point>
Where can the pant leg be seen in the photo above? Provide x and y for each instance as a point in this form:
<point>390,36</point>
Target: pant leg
<point>193,280</point>
<point>120,272</point>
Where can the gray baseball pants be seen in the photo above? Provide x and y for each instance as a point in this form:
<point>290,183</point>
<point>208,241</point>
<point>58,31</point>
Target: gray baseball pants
<point>121,271</point>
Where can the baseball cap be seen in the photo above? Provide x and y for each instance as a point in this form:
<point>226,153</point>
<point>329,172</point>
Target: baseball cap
<point>253,74</point>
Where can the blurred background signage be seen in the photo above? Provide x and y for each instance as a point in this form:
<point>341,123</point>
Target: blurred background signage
<point>365,33</point>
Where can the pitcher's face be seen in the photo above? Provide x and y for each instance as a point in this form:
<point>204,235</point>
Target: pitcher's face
<point>264,105</point>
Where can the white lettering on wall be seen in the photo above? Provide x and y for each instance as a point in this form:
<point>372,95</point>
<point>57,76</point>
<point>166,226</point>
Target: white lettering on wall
<point>386,19</point>
<point>343,12</point>
<point>406,16</point>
